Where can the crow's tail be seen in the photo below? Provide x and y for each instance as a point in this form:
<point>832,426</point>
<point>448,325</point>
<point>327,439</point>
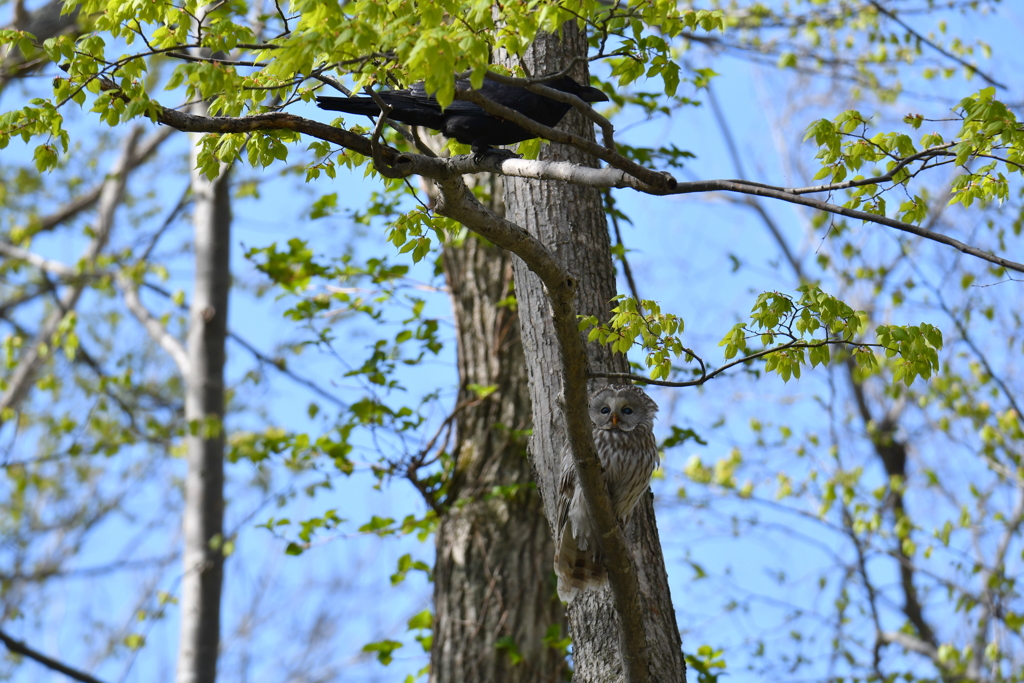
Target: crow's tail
<point>349,105</point>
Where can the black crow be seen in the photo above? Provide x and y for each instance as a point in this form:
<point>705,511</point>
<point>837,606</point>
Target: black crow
<point>465,121</point>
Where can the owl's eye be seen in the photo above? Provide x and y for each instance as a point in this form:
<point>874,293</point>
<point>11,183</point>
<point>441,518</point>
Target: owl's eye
<point>605,410</point>
<point>627,411</point>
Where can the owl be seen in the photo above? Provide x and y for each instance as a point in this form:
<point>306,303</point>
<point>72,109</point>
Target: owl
<point>623,419</point>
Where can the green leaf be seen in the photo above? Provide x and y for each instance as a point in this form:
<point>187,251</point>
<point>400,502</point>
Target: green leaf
<point>422,620</point>
<point>384,650</point>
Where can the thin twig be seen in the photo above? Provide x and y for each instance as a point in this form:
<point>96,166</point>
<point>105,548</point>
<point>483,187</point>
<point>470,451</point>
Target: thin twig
<point>21,648</point>
<point>276,363</point>
<point>892,15</point>
<point>708,376</point>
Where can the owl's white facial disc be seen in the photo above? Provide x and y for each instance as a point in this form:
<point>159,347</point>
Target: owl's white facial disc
<point>617,412</point>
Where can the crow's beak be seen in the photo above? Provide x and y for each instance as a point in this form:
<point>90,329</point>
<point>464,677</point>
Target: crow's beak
<point>589,94</point>
<point>615,419</point>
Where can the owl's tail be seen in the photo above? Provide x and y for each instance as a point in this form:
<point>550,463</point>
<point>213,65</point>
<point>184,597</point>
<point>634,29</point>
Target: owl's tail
<point>577,569</point>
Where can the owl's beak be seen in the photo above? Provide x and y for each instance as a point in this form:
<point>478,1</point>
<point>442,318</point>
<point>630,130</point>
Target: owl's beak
<point>615,419</point>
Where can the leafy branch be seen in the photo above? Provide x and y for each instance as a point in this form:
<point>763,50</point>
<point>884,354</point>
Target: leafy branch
<point>807,327</point>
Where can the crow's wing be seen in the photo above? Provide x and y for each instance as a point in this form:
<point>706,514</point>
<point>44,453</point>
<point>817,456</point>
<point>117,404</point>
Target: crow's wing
<point>464,121</point>
<point>412,107</point>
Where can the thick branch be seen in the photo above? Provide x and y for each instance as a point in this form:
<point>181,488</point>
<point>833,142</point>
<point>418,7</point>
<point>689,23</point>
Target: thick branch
<point>54,267</point>
<point>193,123</point>
<point>912,643</point>
<point>613,177</point>
<point>655,179</point>
<point>625,174</point>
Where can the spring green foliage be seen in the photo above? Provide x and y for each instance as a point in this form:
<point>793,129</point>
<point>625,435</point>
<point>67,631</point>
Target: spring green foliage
<point>403,42</point>
<point>384,650</point>
<point>704,663</point>
<point>988,131</point>
<point>791,333</point>
<point>640,323</point>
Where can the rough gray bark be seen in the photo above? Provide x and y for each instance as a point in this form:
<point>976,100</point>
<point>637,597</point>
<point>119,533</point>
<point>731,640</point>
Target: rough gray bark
<point>570,221</point>
<point>203,559</point>
<point>493,597</point>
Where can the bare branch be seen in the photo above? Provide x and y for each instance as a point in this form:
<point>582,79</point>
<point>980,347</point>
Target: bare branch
<point>869,587</point>
<point>923,155</point>
<point>780,193</point>
<point>43,22</point>
<point>613,177</point>
<point>988,79</point>
<point>708,376</point>
<point>993,582</point>
<point>168,342</point>
<point>143,151</point>
<point>33,259</point>
<point>278,364</point>
<point>626,269</point>
<point>21,648</point>
<point>911,643</point>
<point>737,162</point>
<point>211,60</point>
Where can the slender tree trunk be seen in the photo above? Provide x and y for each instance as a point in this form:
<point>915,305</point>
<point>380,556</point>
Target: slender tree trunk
<point>493,596</point>
<point>570,220</point>
<point>204,411</point>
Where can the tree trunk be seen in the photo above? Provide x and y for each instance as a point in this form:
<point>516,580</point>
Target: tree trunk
<point>203,556</point>
<point>493,596</point>
<point>570,221</point>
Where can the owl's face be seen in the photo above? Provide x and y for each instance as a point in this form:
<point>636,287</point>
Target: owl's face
<point>622,408</point>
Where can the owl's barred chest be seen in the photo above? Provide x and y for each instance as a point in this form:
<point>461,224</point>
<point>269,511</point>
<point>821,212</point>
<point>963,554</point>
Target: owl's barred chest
<point>614,445</point>
<point>628,459</point>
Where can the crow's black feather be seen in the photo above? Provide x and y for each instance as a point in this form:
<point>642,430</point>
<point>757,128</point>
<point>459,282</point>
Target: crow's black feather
<point>465,121</point>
